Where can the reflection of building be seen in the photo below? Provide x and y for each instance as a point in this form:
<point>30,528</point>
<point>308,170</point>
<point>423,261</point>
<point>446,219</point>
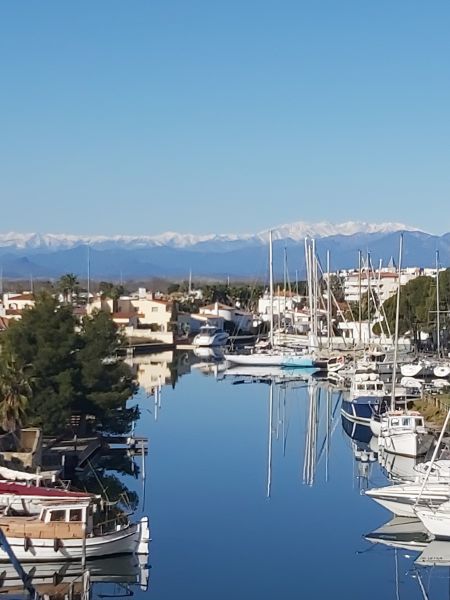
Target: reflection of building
<point>152,370</point>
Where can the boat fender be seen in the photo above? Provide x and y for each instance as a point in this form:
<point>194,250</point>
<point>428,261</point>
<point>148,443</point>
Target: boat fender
<point>57,544</point>
<point>26,543</point>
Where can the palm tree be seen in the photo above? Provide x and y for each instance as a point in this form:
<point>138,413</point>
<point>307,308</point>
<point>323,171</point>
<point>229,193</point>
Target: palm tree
<point>15,393</point>
<point>68,284</point>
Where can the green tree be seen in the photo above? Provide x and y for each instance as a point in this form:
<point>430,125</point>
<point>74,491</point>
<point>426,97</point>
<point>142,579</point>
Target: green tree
<point>15,393</point>
<point>44,345</point>
<point>106,381</point>
<point>68,371</point>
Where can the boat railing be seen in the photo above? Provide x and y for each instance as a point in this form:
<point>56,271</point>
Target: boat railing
<point>110,525</point>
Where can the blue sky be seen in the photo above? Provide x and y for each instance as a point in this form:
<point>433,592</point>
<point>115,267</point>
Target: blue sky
<point>207,116</point>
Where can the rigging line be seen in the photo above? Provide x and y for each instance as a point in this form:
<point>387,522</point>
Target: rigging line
<point>339,310</point>
<point>98,480</point>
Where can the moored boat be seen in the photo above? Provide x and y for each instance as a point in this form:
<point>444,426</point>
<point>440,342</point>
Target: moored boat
<point>210,335</point>
<point>71,530</point>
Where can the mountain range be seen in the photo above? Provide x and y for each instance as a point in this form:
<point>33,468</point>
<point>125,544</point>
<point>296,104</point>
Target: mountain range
<point>173,255</point>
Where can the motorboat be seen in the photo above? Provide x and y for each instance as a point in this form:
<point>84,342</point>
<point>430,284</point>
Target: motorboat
<point>366,392</point>
<point>402,432</point>
<point>401,499</point>
<point>210,335</point>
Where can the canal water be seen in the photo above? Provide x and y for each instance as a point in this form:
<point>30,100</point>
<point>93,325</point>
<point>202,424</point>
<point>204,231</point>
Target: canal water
<point>255,490</point>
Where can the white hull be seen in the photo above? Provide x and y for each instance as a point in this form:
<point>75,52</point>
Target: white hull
<point>263,360</point>
<point>399,468</point>
<point>411,370</point>
<point>209,341</point>
<point>375,427</point>
<point>400,499</point>
<point>436,521</point>
<point>406,444</point>
<point>400,532</point>
<point>132,539</point>
<point>442,371</point>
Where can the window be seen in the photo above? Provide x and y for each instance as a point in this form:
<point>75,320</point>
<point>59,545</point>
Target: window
<point>75,514</point>
<point>57,515</point>
<point>154,309</point>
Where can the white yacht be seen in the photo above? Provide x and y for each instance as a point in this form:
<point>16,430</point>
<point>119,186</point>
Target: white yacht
<point>210,335</point>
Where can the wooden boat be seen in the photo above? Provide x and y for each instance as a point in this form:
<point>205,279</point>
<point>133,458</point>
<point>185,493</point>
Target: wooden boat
<point>72,530</point>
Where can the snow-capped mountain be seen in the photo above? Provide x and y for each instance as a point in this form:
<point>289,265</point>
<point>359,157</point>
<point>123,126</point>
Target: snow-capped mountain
<point>294,231</point>
<point>174,255</point>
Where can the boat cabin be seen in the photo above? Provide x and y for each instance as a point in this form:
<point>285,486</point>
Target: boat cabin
<point>57,520</point>
<point>367,385</point>
<point>402,422</point>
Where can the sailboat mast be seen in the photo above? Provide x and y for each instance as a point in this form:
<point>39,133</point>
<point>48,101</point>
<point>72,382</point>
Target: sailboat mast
<point>315,292</point>
<point>328,300</point>
<point>271,287</point>
<point>397,313</point>
<point>309,280</point>
<point>438,325</point>
<point>369,291</point>
<point>359,296</point>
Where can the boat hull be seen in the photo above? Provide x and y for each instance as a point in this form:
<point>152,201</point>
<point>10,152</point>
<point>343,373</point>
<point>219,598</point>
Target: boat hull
<point>133,539</point>
<point>359,410</point>
<point>211,341</point>
<point>401,499</point>
<point>406,444</point>
<point>436,521</point>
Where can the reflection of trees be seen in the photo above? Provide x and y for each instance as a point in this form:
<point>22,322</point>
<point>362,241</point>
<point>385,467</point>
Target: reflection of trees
<point>118,420</point>
<point>122,463</point>
<point>109,486</point>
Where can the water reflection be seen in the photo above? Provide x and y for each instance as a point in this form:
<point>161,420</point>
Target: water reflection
<point>249,477</point>
<point>114,576</point>
<point>415,555</point>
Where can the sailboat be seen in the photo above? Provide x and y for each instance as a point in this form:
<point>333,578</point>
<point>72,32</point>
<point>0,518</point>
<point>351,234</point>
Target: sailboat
<point>271,356</point>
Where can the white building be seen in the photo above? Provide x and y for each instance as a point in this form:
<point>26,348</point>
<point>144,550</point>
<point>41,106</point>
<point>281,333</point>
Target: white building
<point>14,303</point>
<point>239,319</point>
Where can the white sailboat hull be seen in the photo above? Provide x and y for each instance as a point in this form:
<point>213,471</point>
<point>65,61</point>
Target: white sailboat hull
<point>131,539</point>
<point>266,360</point>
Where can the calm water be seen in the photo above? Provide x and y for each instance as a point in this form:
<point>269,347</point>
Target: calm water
<point>245,505</point>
